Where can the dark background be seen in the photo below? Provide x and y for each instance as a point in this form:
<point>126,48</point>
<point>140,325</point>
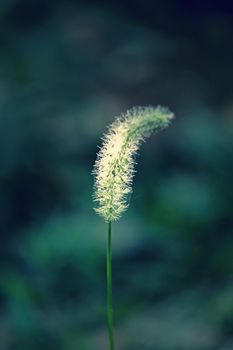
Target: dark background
<point>67,68</point>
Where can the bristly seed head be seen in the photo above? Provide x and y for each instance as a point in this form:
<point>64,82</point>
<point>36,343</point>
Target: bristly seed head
<point>114,166</point>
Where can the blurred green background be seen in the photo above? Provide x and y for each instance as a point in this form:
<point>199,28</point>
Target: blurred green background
<point>67,68</point>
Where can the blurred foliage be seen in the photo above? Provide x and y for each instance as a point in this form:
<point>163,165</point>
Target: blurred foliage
<point>67,68</point>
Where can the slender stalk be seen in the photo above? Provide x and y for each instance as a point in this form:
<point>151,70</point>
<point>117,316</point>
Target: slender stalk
<point>109,287</point>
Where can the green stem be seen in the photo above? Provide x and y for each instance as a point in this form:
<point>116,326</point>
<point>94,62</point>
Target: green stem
<point>109,287</point>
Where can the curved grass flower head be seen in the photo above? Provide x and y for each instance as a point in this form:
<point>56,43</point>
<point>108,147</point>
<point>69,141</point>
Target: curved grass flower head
<point>114,166</point>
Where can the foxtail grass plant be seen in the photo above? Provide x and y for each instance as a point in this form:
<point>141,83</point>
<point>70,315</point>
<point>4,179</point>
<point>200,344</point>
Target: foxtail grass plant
<point>113,174</point>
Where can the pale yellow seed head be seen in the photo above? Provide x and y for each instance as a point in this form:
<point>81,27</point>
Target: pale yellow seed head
<point>114,166</point>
